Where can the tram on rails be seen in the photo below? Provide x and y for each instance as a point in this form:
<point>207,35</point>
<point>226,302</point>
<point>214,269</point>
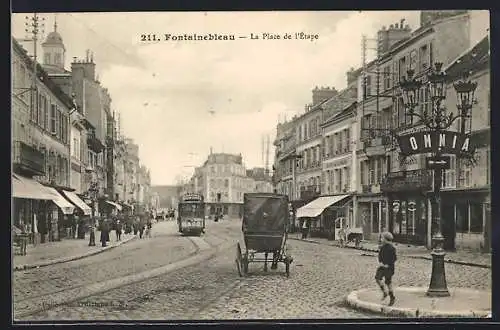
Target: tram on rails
<point>191,215</point>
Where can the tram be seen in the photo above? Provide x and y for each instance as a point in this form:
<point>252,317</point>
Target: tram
<point>191,218</point>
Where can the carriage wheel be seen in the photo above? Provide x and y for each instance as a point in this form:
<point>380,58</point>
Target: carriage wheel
<point>239,259</point>
<point>287,267</point>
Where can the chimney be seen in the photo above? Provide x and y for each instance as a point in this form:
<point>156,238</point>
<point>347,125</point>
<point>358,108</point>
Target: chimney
<point>85,66</point>
<point>351,76</point>
<point>322,94</point>
<point>387,38</point>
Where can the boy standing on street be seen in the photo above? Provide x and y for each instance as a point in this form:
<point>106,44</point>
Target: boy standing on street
<point>386,258</point>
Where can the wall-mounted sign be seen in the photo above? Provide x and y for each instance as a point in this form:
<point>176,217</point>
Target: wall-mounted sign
<point>395,206</point>
<point>339,163</point>
<point>423,142</point>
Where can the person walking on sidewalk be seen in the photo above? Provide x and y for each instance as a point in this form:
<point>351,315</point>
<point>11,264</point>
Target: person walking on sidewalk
<point>304,229</point>
<point>387,258</point>
<point>149,228</point>
<point>104,233</point>
<point>118,230</point>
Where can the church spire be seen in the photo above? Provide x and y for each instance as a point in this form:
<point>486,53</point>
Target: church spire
<point>55,22</point>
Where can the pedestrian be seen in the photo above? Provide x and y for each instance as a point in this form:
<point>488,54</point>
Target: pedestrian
<point>342,238</point>
<point>104,233</point>
<point>118,230</point>
<point>135,224</point>
<point>387,258</point>
<point>304,229</point>
<point>149,229</point>
<point>141,229</point>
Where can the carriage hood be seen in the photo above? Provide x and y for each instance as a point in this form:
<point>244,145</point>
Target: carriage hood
<point>265,212</point>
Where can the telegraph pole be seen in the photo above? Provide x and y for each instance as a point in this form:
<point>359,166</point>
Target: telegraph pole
<point>34,26</point>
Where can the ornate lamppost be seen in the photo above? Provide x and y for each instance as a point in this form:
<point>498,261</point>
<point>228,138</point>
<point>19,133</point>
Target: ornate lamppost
<point>438,121</point>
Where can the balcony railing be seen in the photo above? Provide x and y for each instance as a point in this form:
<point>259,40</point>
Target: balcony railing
<point>419,180</point>
<point>28,159</point>
<point>94,143</point>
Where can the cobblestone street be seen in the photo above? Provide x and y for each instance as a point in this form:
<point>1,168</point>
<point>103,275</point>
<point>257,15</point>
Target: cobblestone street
<point>34,287</point>
<point>321,276</point>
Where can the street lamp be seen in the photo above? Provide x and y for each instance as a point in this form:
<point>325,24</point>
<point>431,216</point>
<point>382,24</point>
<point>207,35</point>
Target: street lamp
<point>438,121</point>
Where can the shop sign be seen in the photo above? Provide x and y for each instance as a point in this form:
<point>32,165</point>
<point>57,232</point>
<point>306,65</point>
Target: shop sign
<point>447,142</point>
<point>338,163</point>
<point>412,206</point>
<point>395,206</point>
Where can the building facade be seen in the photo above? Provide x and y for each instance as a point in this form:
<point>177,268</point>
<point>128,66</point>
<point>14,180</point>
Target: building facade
<point>40,150</point>
<point>223,180</point>
<point>339,164</point>
<point>396,190</point>
<point>466,195</point>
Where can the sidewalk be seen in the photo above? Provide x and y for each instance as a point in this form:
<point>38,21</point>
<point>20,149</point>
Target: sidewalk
<point>461,257</point>
<point>413,302</point>
<point>66,250</point>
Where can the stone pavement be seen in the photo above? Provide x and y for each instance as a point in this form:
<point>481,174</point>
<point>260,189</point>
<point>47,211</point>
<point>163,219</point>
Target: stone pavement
<point>413,302</point>
<point>462,257</point>
<point>66,250</point>
<point>321,277</point>
<point>46,287</point>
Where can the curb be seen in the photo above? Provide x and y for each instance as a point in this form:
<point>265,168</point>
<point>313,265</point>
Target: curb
<point>71,258</point>
<point>450,261</point>
<point>353,301</point>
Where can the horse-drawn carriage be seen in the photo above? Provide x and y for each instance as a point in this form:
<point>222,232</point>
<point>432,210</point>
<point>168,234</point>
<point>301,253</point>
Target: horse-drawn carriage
<point>265,227</point>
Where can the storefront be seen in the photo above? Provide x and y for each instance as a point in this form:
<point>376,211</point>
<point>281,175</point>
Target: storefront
<point>39,210</point>
<point>408,214</point>
<point>466,219</point>
<point>110,208</point>
<point>61,213</point>
<point>323,213</point>
<point>409,205</point>
<point>372,215</point>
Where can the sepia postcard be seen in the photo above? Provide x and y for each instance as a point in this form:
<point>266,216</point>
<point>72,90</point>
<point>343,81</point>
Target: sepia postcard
<point>182,166</point>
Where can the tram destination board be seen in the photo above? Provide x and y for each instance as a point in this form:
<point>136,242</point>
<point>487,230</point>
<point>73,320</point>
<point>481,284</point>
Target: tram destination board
<point>192,198</point>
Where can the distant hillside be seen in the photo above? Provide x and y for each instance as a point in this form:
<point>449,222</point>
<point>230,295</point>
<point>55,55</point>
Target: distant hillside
<point>169,195</point>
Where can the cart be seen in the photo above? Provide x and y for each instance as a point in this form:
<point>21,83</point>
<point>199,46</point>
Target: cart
<point>265,230</point>
<point>354,235</point>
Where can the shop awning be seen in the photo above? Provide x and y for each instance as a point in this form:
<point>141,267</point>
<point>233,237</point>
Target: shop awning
<point>127,205</point>
<point>78,202</point>
<point>118,206</point>
<point>317,206</point>
<point>65,206</point>
<point>23,187</point>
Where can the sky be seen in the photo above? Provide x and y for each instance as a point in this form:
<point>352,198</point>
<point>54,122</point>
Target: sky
<point>178,99</point>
